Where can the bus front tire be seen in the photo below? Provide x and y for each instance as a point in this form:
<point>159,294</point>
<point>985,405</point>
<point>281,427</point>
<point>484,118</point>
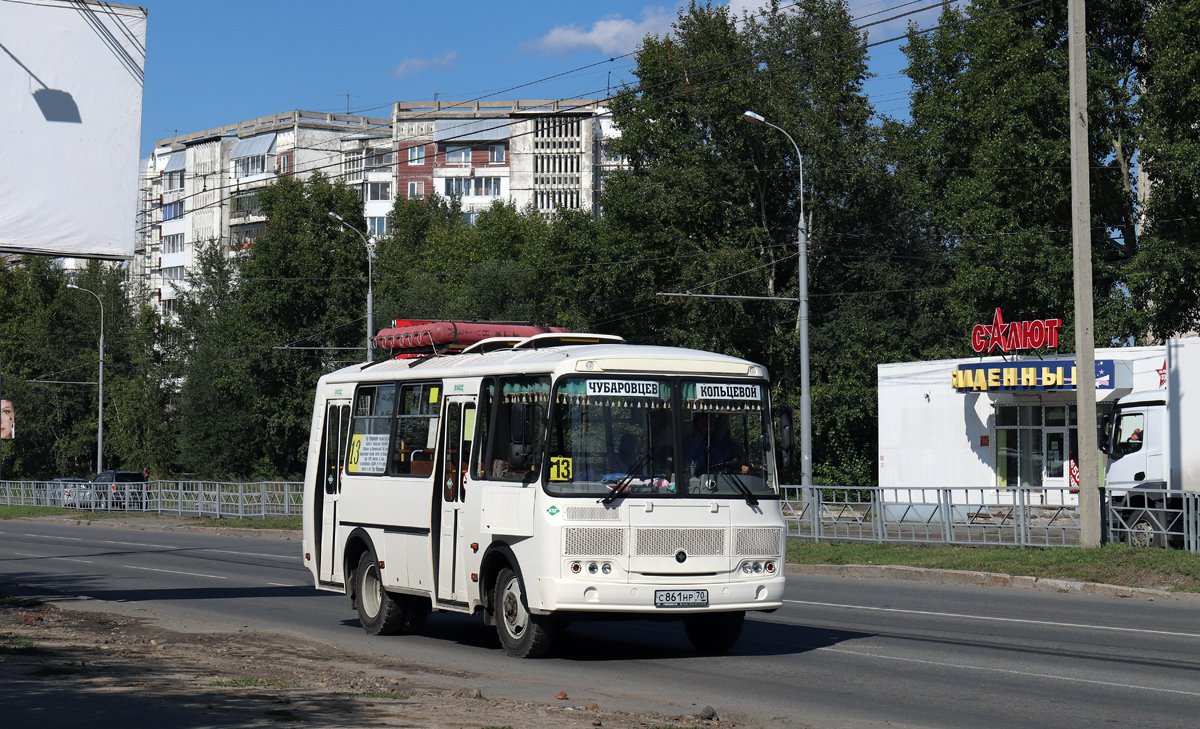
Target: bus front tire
<point>381,612</point>
<point>714,632</point>
<point>523,634</point>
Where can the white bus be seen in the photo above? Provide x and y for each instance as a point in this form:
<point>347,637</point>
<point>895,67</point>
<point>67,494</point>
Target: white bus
<point>546,479</point>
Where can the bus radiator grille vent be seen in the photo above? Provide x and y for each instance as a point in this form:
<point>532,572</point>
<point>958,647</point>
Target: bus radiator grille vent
<point>664,542</point>
<point>583,542</point>
<point>590,513</point>
<point>757,542</point>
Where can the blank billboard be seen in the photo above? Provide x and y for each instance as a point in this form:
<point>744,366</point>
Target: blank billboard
<point>71,77</point>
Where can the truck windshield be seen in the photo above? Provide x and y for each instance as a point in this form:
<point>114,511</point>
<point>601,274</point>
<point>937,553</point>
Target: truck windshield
<point>659,437</point>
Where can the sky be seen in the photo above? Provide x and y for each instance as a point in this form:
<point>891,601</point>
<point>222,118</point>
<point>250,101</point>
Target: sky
<point>218,62</point>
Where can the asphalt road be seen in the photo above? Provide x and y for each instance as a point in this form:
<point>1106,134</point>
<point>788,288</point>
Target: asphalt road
<point>841,653</point>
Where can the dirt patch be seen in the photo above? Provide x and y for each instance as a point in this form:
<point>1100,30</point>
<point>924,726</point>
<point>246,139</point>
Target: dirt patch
<point>114,670</point>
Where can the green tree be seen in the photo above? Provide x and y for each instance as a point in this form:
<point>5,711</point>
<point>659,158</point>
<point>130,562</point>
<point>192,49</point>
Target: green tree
<point>1163,279</point>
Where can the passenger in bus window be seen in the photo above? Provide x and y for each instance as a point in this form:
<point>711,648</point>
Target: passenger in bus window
<point>709,447</point>
<point>627,455</point>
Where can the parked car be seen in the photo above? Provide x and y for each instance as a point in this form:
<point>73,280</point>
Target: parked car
<point>121,489</point>
<point>76,492</point>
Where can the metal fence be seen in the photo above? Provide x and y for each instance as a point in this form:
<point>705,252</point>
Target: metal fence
<point>215,499</point>
<point>1023,517</point>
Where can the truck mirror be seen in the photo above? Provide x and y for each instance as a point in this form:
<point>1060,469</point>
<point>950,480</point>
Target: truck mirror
<point>1104,438</point>
<point>787,437</point>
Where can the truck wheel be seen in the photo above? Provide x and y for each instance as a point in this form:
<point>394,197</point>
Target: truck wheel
<point>523,634</point>
<point>379,612</point>
<point>714,632</point>
<point>1143,532</point>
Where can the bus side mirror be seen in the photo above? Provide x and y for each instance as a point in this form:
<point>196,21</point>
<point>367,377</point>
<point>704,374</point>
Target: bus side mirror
<point>520,449</point>
<point>787,437</point>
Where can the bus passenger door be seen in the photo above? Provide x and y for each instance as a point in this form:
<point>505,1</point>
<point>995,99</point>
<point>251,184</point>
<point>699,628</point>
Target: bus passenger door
<point>454,461</point>
<point>334,437</point>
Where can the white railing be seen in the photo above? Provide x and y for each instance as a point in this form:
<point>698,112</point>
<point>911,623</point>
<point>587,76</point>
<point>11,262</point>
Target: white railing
<point>254,500</point>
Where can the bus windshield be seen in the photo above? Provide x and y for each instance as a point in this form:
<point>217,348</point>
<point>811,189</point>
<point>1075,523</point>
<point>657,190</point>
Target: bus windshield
<point>668,437</point>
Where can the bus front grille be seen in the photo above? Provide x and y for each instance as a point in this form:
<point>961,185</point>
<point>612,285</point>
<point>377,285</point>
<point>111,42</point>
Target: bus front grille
<point>593,542</point>
<point>661,542</point>
<point>757,542</point>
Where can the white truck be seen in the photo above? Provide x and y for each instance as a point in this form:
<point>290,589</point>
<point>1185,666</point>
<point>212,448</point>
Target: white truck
<point>1152,439</point>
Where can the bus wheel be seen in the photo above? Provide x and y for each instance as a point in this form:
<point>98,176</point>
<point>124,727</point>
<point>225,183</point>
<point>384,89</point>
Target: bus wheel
<point>379,612</point>
<point>523,634</point>
<point>714,632</point>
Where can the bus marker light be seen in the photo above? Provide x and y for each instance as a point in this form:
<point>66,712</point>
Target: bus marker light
<point>474,546</point>
<point>474,577</point>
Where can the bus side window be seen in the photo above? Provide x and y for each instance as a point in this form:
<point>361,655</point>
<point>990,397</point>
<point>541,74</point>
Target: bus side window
<point>515,448</point>
<point>479,470</point>
<point>416,429</point>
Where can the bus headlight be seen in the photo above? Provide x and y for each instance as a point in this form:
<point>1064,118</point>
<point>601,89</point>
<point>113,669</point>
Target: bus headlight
<point>593,568</point>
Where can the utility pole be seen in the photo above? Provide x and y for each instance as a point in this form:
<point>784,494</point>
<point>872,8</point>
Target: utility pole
<point>1081,237</point>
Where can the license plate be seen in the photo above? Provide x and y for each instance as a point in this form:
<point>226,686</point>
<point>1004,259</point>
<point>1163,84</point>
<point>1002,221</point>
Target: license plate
<point>680,598</point>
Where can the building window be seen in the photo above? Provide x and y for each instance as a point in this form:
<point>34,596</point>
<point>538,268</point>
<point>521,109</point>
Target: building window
<point>253,165</point>
<point>380,158</point>
<point>172,243</point>
<point>379,191</point>
<point>416,191</point>
<point>470,218</point>
<point>284,162</point>
<point>458,154</point>
<point>378,226</point>
<point>496,153</point>
<point>173,211</point>
<point>352,165</point>
<point>168,307</point>
<point>243,236</point>
<point>477,186</point>
<point>173,273</point>
<point>173,180</point>
<point>244,204</point>
<point>416,155</point>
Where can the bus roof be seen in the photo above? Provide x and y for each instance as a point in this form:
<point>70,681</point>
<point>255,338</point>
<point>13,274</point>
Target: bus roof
<point>606,358</point>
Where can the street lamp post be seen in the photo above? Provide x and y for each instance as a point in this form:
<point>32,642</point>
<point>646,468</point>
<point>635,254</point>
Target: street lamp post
<point>370,291</point>
<point>801,317</point>
<point>100,380</point>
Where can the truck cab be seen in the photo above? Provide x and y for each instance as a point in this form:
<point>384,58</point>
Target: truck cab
<point>1136,437</point>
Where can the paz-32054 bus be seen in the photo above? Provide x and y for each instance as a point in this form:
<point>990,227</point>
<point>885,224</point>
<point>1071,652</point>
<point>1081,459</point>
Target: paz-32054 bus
<point>544,479</point>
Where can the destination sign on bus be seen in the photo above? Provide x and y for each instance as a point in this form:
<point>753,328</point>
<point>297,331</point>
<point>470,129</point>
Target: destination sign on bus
<point>726,391</point>
<point>368,453</point>
<point>626,388</point>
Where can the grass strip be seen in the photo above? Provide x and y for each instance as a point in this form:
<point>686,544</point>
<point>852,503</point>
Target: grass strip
<point>1114,564</point>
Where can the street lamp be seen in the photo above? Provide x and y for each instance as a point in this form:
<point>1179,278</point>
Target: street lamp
<point>801,317</point>
<point>370,292</point>
<point>100,408</point>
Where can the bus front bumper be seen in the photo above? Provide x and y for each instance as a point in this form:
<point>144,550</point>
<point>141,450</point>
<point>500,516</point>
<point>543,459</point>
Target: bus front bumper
<point>577,594</point>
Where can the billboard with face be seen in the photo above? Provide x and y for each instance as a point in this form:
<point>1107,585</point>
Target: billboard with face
<point>7,427</point>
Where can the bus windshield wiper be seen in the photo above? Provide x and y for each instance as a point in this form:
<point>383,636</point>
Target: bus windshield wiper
<point>623,484</point>
<point>743,489</point>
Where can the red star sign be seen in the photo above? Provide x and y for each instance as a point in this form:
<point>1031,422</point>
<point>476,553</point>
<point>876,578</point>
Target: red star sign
<point>1162,375</point>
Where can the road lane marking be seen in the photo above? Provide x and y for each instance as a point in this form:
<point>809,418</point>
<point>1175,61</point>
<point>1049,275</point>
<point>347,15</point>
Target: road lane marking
<point>994,619</point>
<point>1011,672</point>
<point>250,554</point>
<point>174,572</point>
<point>46,536</point>
<point>46,556</point>
<point>280,584</point>
<point>139,544</point>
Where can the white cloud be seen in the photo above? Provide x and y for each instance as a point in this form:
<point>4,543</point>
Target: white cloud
<point>413,66</point>
<point>612,34</point>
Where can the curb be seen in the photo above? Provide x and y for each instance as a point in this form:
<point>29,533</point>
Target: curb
<point>984,579</point>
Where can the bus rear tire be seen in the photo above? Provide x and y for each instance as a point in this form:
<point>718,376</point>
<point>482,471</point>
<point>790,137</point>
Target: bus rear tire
<point>379,611</point>
<point>523,634</point>
<point>714,632</point>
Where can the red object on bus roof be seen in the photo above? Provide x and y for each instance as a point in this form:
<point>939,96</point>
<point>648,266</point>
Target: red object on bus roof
<point>427,336</point>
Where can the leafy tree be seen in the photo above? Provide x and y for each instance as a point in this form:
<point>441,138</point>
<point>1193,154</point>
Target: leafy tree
<point>986,157</point>
<point>1163,280</point>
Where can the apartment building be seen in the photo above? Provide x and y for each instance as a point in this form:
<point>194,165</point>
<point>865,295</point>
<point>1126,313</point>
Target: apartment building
<point>549,154</point>
<point>204,186</point>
